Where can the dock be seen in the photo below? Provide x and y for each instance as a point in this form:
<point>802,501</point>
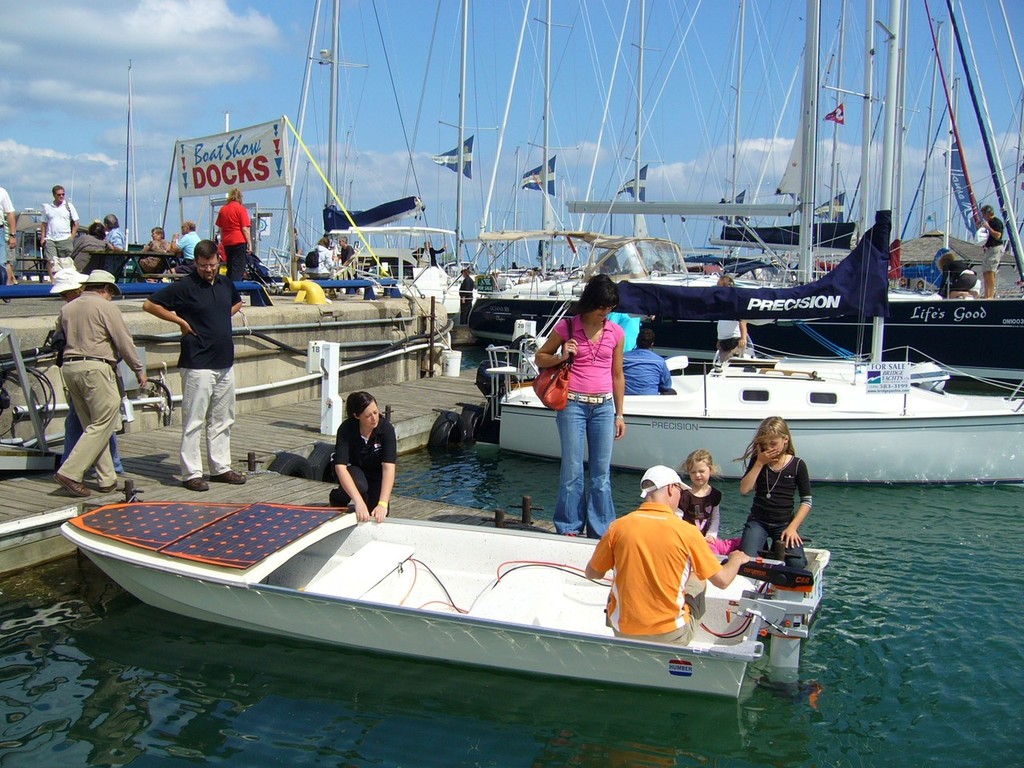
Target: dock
<point>33,506</point>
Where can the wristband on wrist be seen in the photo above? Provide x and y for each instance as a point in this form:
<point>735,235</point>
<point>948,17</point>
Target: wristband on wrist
<point>382,504</point>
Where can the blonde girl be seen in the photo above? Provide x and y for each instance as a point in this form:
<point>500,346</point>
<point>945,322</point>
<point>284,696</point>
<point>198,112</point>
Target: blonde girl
<point>700,504</point>
<point>776,476</point>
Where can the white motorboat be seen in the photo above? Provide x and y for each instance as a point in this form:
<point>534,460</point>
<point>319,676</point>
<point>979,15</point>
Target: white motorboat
<point>842,428</point>
<point>511,600</point>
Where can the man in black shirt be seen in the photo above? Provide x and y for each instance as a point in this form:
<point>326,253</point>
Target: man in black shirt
<point>202,304</point>
<point>466,289</point>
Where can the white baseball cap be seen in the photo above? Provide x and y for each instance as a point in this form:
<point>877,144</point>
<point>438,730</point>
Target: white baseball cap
<point>657,477</point>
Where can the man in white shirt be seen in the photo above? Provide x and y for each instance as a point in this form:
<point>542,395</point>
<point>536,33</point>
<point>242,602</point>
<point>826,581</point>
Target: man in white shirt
<point>8,238</point>
<point>60,225</point>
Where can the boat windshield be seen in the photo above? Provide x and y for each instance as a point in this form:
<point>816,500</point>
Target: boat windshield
<point>639,258</point>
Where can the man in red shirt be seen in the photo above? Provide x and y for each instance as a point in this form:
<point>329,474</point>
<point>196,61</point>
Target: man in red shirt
<point>235,234</point>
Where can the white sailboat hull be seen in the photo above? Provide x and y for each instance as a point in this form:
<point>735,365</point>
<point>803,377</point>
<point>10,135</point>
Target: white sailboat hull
<point>844,433</point>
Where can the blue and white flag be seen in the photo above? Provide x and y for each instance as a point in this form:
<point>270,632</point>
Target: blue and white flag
<point>536,179</point>
<point>450,159</point>
<point>630,187</point>
<point>832,209</point>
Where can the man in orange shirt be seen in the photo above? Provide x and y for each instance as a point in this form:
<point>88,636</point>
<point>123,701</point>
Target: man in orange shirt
<point>653,552</point>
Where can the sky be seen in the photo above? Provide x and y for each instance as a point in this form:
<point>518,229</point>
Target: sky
<point>195,66</point>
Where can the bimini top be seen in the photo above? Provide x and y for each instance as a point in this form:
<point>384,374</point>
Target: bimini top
<point>228,535</point>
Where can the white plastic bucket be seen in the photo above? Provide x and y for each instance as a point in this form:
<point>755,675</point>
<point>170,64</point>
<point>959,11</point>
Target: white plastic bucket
<point>451,362</point>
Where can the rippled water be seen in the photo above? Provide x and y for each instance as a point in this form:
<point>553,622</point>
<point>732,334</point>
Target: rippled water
<point>914,661</point>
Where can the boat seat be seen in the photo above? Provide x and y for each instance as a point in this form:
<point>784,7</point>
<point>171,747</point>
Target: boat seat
<point>532,596</point>
<point>361,571</point>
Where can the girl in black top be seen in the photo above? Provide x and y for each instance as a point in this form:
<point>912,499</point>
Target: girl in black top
<point>364,459</point>
<point>776,475</point>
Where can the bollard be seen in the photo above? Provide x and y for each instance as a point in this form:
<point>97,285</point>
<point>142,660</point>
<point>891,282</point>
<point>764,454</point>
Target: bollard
<point>250,461</point>
<point>527,510</point>
<point>130,494</point>
<point>387,413</point>
<point>499,518</point>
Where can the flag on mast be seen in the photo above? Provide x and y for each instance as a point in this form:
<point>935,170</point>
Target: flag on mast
<point>837,115</point>
<point>630,187</point>
<point>450,159</point>
<point>833,209</point>
<point>536,178</point>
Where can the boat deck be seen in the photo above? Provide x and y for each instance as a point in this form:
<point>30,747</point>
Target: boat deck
<point>33,500</point>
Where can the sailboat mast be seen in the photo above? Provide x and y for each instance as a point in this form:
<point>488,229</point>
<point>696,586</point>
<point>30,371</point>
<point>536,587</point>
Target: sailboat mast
<point>462,130</point>
<point>547,220</point>
<point>739,86</point>
<point>833,181</point>
<point>885,190</point>
<point>638,223</point>
<point>809,134</point>
<point>869,78</point>
<point>128,148</point>
<point>332,120</point>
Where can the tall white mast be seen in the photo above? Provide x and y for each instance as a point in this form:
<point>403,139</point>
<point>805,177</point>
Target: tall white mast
<point>885,191</point>
<point>809,135</point>
<point>639,225</point>
<point>462,129</point>
<point>739,86</point>
<point>869,78</point>
<point>332,131</point>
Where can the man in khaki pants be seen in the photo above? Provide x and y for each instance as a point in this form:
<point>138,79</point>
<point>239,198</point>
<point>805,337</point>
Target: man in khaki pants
<point>97,337</point>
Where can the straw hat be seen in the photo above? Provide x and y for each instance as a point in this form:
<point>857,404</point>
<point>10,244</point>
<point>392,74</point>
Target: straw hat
<point>68,279</point>
<point>102,277</point>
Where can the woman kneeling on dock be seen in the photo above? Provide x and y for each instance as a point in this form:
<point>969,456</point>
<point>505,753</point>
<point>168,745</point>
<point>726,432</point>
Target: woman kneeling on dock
<point>364,459</point>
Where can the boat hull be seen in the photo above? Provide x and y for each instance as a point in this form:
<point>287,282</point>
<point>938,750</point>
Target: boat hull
<point>865,442</point>
<point>378,627</point>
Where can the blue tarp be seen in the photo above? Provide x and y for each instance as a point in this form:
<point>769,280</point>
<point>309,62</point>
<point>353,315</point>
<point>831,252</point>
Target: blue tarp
<point>859,285</point>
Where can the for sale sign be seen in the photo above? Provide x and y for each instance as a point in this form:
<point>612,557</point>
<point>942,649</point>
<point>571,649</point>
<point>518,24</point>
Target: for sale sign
<point>888,377</point>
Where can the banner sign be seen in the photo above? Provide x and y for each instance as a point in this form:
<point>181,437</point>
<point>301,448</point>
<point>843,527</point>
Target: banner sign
<point>857,286</point>
<point>248,158</point>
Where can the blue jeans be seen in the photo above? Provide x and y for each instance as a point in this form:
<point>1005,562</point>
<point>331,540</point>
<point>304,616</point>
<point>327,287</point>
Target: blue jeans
<point>592,426</point>
<point>756,534</point>
<point>73,431</point>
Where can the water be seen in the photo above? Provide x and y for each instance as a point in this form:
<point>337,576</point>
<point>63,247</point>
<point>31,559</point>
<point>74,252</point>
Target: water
<point>914,661</point>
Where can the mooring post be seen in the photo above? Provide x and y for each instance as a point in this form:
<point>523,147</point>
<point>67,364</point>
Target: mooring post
<point>250,461</point>
<point>499,517</point>
<point>527,510</point>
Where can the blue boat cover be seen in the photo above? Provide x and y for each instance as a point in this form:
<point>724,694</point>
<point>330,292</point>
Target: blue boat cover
<point>857,286</point>
<point>229,535</point>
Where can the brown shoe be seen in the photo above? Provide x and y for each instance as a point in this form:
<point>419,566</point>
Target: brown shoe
<point>107,488</point>
<point>197,484</point>
<point>231,477</point>
<point>73,487</point>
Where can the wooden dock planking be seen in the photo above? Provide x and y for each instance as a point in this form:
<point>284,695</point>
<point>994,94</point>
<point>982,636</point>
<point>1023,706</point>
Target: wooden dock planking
<point>151,463</point>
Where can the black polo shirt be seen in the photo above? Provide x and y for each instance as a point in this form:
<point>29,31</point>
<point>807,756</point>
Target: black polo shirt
<point>369,455</point>
<point>207,308</point>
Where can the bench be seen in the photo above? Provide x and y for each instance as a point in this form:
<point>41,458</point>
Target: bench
<point>355,575</point>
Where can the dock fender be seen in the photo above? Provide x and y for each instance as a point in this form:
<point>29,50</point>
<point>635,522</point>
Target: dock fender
<point>447,429</point>
<point>470,417</point>
<point>291,465</point>
<point>321,462</point>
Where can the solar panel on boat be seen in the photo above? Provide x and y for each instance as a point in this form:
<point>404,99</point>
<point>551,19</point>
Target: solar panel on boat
<point>230,535</point>
<point>250,534</point>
